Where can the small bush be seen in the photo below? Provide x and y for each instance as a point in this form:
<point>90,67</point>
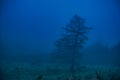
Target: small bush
<point>99,75</point>
<point>40,77</point>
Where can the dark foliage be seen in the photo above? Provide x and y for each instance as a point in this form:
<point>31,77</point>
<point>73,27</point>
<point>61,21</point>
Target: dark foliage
<point>116,52</point>
<point>99,75</point>
<point>72,41</point>
<point>114,75</point>
<point>40,77</point>
<point>2,74</point>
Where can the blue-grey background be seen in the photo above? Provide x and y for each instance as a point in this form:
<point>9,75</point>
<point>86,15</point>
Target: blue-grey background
<point>30,27</point>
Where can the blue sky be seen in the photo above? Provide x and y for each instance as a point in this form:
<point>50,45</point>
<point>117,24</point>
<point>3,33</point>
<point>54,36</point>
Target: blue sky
<point>36,24</point>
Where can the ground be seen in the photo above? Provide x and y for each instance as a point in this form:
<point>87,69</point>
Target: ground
<point>27,71</point>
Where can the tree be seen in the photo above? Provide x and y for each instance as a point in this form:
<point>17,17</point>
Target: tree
<point>116,51</point>
<point>72,40</point>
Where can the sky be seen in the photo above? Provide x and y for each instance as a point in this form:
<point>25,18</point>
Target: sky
<point>36,24</point>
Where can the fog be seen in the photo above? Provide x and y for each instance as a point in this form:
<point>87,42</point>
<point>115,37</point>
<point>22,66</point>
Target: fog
<point>29,29</point>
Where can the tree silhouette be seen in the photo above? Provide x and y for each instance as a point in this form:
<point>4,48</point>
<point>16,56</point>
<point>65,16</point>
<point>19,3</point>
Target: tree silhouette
<point>116,52</point>
<point>72,40</point>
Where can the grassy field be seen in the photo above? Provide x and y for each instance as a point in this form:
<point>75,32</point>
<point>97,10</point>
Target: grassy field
<point>26,71</point>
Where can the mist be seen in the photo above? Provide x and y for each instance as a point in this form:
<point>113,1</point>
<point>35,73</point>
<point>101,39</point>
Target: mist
<point>30,28</point>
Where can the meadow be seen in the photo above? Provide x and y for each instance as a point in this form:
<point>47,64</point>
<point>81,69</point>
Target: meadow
<point>27,71</point>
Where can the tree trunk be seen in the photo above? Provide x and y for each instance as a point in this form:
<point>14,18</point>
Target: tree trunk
<point>73,62</point>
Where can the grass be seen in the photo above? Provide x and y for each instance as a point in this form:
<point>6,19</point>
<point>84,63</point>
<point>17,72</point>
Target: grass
<point>26,71</point>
